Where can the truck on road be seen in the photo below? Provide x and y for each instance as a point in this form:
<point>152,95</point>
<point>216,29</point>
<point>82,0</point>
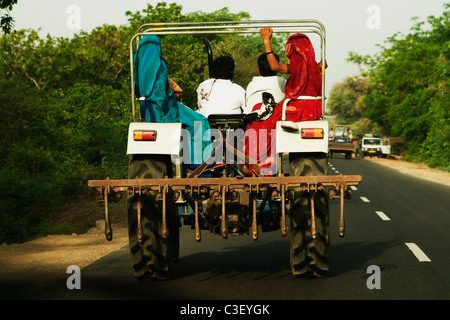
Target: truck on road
<point>341,141</point>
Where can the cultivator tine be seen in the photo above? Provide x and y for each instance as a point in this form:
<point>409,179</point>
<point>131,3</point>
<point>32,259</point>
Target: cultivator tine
<point>254,221</point>
<point>313,217</point>
<point>139,222</point>
<point>283,211</point>
<point>342,194</point>
<point>137,192</point>
<point>341,219</point>
<point>198,236</point>
<point>224,228</point>
<point>164,231</point>
<point>108,230</point>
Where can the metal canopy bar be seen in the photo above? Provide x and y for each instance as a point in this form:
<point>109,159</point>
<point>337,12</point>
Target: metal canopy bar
<point>235,29</point>
<point>218,31</point>
<point>229,27</point>
<point>231,24</point>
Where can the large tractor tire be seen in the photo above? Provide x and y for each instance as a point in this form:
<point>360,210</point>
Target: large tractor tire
<point>309,256</point>
<point>154,256</point>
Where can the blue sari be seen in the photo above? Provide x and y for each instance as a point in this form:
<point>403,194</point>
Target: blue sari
<point>161,104</point>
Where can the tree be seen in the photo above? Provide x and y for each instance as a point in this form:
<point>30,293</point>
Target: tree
<point>6,21</point>
<point>185,55</point>
<point>65,106</point>
<point>346,103</point>
<point>346,99</point>
<point>410,87</point>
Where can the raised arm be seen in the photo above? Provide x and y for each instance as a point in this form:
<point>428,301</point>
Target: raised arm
<point>266,35</point>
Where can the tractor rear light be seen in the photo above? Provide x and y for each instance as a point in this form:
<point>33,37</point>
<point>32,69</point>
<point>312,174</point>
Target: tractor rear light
<point>312,133</point>
<point>144,135</point>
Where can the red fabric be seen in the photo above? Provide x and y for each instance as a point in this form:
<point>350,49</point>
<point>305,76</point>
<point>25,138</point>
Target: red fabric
<point>305,80</point>
<point>260,144</point>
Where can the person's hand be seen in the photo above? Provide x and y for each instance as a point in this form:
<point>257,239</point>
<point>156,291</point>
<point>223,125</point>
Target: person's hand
<point>266,33</point>
<point>175,88</point>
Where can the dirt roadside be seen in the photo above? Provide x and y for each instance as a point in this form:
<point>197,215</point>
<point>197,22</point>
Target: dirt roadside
<point>43,261</point>
<point>419,170</point>
<point>38,263</point>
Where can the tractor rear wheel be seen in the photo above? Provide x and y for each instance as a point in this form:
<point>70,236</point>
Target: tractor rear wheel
<point>154,256</point>
<point>309,255</point>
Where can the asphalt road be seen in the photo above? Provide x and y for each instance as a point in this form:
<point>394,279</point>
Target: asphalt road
<point>396,246</point>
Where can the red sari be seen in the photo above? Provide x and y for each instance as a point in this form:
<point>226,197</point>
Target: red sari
<point>305,81</point>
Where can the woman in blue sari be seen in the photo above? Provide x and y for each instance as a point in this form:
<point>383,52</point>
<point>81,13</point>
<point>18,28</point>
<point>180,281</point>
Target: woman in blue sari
<point>152,254</point>
<point>161,104</point>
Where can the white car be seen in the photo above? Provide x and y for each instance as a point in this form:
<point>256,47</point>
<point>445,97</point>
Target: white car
<point>371,147</point>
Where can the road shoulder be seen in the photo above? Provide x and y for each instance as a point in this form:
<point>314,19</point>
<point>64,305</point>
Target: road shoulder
<point>418,170</point>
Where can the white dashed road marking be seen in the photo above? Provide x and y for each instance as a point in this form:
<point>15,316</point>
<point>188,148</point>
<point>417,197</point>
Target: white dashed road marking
<point>382,216</point>
<point>365,199</point>
<point>420,255</point>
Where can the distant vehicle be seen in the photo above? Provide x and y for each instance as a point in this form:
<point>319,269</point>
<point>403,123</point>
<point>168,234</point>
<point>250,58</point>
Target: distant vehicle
<point>371,146</point>
<point>341,141</point>
<point>385,148</point>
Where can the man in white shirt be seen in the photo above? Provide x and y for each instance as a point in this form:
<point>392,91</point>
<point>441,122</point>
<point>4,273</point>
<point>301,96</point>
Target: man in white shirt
<point>268,81</point>
<point>219,95</point>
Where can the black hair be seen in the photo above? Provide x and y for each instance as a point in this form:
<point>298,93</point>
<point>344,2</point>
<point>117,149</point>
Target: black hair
<point>223,68</point>
<point>264,66</point>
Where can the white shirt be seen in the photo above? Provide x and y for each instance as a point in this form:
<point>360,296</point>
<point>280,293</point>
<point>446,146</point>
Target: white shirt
<point>273,84</point>
<point>220,96</point>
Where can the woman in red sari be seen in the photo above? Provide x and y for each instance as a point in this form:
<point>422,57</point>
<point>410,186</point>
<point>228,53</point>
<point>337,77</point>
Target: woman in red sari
<point>303,91</point>
<point>308,255</point>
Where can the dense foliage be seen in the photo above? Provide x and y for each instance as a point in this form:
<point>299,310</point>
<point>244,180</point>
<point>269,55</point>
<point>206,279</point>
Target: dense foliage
<point>6,21</point>
<point>404,90</point>
<point>65,106</point>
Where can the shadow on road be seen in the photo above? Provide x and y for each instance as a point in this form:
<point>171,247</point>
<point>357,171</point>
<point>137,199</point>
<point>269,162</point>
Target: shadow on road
<point>252,271</point>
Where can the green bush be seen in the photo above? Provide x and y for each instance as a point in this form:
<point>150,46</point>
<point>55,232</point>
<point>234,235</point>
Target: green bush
<point>65,106</point>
